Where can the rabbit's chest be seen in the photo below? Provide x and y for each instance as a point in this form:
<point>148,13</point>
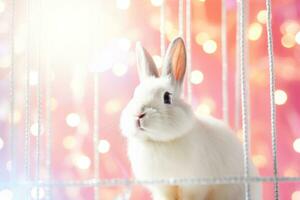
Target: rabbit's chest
<point>160,161</point>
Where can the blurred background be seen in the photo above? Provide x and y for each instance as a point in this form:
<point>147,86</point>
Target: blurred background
<point>68,41</point>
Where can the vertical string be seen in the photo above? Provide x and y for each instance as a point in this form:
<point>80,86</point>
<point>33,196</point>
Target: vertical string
<point>180,18</point>
<point>162,29</point>
<point>188,49</point>
<point>37,149</point>
<point>27,101</point>
<point>48,130</point>
<point>244,94</point>
<point>96,74</point>
<point>39,98</point>
<point>96,132</point>
<point>12,135</point>
<point>237,74</point>
<point>224,62</point>
<point>272,97</point>
<point>180,34</point>
<point>49,133</point>
<point>247,69</point>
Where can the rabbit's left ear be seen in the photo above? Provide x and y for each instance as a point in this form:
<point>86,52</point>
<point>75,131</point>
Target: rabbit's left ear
<point>175,61</point>
<point>146,65</point>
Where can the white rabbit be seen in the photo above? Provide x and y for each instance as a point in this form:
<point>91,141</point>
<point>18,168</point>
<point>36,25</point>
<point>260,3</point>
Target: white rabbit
<point>166,139</point>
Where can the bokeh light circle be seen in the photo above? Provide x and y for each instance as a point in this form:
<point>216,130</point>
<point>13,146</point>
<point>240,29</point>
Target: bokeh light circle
<point>262,16</point>
<point>296,145</point>
<point>209,46</point>
<point>103,146</point>
<point>202,37</point>
<point>296,195</point>
<point>81,161</point>
<point>255,31</point>
<point>123,4</point>
<point>196,77</point>
<point>1,143</point>
<point>119,69</point>
<point>6,194</point>
<point>8,165</point>
<point>34,129</point>
<point>33,78</point>
<point>37,193</point>
<point>69,142</point>
<point>73,119</point>
<point>288,40</point>
<point>2,6</point>
<point>280,97</point>
<point>156,2</point>
<point>124,44</point>
<point>259,160</point>
<point>297,38</point>
<point>113,106</point>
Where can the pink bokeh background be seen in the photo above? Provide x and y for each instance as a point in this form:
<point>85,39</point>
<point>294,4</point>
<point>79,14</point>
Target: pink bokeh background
<point>76,38</point>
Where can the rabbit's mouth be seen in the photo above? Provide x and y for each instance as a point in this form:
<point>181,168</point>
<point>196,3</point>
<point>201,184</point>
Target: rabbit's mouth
<point>139,117</point>
<point>139,125</point>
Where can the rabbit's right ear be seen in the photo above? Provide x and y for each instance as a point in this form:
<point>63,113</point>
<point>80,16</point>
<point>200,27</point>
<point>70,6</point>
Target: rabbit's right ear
<point>175,61</point>
<point>145,63</point>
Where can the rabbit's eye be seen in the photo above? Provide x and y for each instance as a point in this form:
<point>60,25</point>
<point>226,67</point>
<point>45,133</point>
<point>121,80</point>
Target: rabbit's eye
<point>167,98</point>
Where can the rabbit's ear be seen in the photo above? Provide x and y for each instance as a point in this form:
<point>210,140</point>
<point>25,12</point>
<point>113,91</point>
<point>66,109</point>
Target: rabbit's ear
<point>175,61</point>
<point>146,65</point>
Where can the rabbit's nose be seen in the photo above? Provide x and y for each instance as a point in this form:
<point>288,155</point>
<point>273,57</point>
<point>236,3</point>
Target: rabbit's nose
<point>141,115</point>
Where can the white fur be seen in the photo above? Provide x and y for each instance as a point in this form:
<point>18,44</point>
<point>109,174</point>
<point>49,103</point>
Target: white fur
<point>205,148</point>
<point>174,143</point>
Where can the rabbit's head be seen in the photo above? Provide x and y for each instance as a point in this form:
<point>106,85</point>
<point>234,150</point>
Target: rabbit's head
<point>156,111</point>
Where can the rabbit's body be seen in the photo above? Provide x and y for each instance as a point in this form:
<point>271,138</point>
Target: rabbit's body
<point>167,140</point>
<point>216,153</point>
